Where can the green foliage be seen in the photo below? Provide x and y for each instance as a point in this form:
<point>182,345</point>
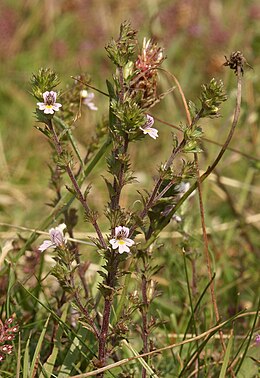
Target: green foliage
<point>211,98</point>
<point>121,50</point>
<point>129,114</point>
<point>45,80</point>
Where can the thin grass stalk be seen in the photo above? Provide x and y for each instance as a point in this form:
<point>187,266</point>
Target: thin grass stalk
<point>193,320</point>
<point>125,361</point>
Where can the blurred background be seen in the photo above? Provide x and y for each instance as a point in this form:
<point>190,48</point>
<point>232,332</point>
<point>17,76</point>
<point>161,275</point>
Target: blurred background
<point>69,36</point>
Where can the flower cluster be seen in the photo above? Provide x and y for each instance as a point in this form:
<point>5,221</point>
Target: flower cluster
<point>121,240</point>
<point>57,238</point>
<point>7,333</point>
<point>49,106</point>
<point>144,83</point>
<point>148,129</point>
<point>150,58</point>
<point>87,99</point>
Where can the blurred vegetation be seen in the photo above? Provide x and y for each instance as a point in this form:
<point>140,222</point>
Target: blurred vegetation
<point>69,36</point>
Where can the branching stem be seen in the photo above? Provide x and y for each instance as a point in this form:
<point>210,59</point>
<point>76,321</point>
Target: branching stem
<point>74,182</point>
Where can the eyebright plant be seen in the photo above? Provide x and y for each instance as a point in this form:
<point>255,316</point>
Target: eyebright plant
<point>128,244</point>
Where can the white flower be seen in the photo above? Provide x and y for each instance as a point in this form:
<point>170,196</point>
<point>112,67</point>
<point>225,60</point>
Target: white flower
<point>87,98</point>
<point>49,105</point>
<point>183,187</point>
<point>57,238</point>
<point>121,240</point>
<point>148,129</point>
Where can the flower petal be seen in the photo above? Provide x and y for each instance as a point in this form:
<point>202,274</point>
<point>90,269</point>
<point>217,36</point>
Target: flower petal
<point>118,229</point>
<point>53,95</point>
<point>129,242</point>
<point>125,231</point>
<point>114,243</point>
<point>61,227</point>
<point>45,96</point>
<point>150,121</point>
<point>46,244</point>
<point>48,110</point>
<point>123,248</point>
<point>56,106</point>
<point>151,131</point>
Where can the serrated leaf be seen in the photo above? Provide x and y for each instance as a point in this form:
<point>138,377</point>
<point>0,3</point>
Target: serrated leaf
<point>193,109</point>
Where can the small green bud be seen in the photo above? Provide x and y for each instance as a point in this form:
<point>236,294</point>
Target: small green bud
<point>44,80</point>
<point>212,96</point>
<point>128,70</point>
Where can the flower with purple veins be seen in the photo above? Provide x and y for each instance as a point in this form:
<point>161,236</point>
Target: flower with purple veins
<point>57,238</point>
<point>148,129</point>
<point>257,339</point>
<point>87,98</point>
<point>121,240</point>
<point>49,106</point>
<point>7,334</point>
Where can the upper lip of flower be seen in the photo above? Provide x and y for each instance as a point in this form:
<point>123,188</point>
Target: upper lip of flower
<point>57,238</point>
<point>148,129</point>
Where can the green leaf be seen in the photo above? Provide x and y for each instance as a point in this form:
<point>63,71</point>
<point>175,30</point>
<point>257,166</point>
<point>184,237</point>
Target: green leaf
<point>36,355</point>
<point>26,360</point>
<point>141,360</point>
<point>111,90</point>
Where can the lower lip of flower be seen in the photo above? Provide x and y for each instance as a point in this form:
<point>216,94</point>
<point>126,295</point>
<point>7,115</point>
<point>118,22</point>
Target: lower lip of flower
<point>121,242</point>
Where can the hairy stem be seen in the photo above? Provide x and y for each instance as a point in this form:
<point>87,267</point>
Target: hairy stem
<point>110,280</point>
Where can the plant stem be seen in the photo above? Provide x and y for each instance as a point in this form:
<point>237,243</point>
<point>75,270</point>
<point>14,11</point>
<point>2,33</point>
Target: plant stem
<point>111,277</point>
<point>203,177</point>
<point>144,312</point>
<point>79,194</point>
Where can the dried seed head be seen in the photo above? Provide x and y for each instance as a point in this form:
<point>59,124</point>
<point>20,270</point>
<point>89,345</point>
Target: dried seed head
<point>236,60</point>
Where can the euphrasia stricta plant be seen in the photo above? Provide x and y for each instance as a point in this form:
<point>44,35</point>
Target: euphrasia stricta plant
<point>130,243</point>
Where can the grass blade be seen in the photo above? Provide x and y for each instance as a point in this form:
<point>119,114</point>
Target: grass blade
<point>141,360</point>
<point>226,358</point>
<point>36,355</point>
<point>26,360</point>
